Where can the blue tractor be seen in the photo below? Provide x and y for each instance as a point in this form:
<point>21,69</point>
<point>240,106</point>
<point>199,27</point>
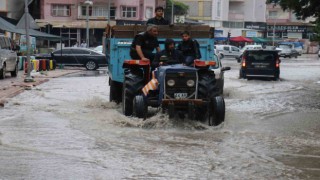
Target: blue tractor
<point>177,89</point>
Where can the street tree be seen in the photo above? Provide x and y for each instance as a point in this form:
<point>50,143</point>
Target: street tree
<point>179,9</point>
<point>301,8</point>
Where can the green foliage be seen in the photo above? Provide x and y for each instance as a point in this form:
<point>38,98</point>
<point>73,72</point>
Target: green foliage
<point>301,8</point>
<point>179,8</point>
<point>316,36</point>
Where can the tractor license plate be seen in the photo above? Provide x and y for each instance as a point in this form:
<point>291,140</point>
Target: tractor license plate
<point>180,95</point>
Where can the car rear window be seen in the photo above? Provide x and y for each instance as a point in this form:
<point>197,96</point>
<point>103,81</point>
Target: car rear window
<point>261,56</point>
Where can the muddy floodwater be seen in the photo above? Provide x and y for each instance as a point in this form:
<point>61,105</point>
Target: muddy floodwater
<point>67,129</point>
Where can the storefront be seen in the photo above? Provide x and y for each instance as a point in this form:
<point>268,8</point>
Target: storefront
<point>290,31</point>
<point>254,29</point>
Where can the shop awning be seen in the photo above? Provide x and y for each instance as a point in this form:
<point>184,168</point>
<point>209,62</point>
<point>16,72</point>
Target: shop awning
<point>6,26</point>
<point>240,39</point>
<point>81,24</point>
<point>259,40</point>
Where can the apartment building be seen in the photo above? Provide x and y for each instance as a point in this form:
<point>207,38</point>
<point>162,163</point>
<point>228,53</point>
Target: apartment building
<point>238,17</point>
<point>286,25</point>
<point>68,17</point>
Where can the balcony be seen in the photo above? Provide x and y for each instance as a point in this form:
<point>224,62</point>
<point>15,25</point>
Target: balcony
<point>236,16</point>
<point>236,0</point>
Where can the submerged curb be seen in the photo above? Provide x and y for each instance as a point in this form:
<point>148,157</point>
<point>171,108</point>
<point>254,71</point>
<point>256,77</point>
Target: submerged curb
<point>18,87</point>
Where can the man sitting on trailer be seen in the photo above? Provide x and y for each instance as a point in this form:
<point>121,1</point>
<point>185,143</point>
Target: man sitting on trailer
<point>144,43</point>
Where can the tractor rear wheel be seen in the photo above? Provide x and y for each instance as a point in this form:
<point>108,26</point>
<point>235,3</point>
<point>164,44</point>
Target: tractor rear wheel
<point>133,83</point>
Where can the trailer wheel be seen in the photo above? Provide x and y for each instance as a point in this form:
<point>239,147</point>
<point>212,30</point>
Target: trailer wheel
<point>217,114</point>
<point>140,107</point>
<point>115,91</point>
<point>132,84</point>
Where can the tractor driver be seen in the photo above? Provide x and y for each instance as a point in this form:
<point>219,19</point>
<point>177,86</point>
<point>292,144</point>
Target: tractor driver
<point>144,43</point>
<point>171,55</point>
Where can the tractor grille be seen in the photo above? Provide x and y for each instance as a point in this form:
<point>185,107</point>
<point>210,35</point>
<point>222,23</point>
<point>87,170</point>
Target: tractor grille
<point>180,86</point>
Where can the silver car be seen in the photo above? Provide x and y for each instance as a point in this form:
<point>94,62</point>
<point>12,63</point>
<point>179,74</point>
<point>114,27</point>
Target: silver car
<point>219,73</point>
<point>8,58</point>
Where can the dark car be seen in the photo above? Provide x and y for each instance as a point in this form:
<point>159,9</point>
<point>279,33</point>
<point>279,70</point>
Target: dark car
<point>260,63</point>
<point>90,59</point>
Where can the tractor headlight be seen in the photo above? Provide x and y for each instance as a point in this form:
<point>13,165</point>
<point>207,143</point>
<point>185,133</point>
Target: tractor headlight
<point>171,82</point>
<point>190,83</point>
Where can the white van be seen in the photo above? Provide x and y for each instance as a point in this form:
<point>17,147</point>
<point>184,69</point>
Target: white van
<point>8,57</point>
<point>228,51</point>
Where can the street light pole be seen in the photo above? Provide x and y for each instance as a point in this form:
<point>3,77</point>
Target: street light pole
<point>87,3</point>
<point>28,78</point>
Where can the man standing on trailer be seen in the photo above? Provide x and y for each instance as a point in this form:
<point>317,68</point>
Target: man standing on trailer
<point>158,19</point>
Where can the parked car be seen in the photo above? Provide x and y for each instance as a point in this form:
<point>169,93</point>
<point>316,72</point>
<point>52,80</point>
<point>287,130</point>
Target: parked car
<point>297,46</point>
<point>8,57</point>
<point>219,73</point>
<point>228,51</point>
<point>286,51</point>
<point>88,58</point>
<point>247,47</point>
<point>99,49</point>
<point>260,63</point>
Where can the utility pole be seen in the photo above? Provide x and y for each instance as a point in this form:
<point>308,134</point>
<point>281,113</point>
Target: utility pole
<point>172,14</point>
<point>28,78</point>
<point>87,3</point>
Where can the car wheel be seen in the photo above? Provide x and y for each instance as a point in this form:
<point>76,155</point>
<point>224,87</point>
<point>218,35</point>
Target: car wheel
<point>3,72</point>
<point>241,75</point>
<point>15,72</point>
<point>91,65</point>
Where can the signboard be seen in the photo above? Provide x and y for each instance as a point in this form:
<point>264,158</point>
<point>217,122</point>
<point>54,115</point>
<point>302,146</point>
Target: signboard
<point>179,19</point>
<point>293,29</point>
<point>255,25</point>
<point>251,34</point>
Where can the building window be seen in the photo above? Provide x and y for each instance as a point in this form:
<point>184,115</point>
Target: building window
<point>129,12</point>
<point>61,10</point>
<point>273,14</point>
<point>149,12</point>
<point>112,12</point>
<point>84,10</point>
<point>232,24</point>
<point>219,8</point>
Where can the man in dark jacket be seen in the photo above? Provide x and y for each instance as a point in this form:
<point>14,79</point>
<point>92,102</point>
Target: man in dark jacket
<point>158,19</point>
<point>189,48</point>
<point>144,43</point>
<point>170,54</point>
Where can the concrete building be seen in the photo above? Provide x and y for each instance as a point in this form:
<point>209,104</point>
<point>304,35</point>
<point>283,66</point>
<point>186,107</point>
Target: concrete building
<point>68,17</point>
<point>239,17</point>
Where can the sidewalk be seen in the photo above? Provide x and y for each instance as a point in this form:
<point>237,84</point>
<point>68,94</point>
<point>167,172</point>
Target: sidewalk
<point>12,86</point>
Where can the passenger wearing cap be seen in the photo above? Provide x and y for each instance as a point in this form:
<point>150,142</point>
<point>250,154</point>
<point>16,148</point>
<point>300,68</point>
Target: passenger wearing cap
<point>168,56</point>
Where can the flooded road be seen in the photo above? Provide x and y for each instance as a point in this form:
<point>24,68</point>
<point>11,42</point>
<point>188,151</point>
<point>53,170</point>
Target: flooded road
<point>67,129</point>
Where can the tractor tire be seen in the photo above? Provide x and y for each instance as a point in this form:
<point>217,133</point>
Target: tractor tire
<point>3,72</point>
<point>140,107</point>
<point>218,115</point>
<point>15,72</point>
<point>115,91</point>
<point>132,85</point>
<point>207,86</point>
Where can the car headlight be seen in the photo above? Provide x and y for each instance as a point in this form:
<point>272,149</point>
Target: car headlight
<point>171,82</point>
<point>190,83</point>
